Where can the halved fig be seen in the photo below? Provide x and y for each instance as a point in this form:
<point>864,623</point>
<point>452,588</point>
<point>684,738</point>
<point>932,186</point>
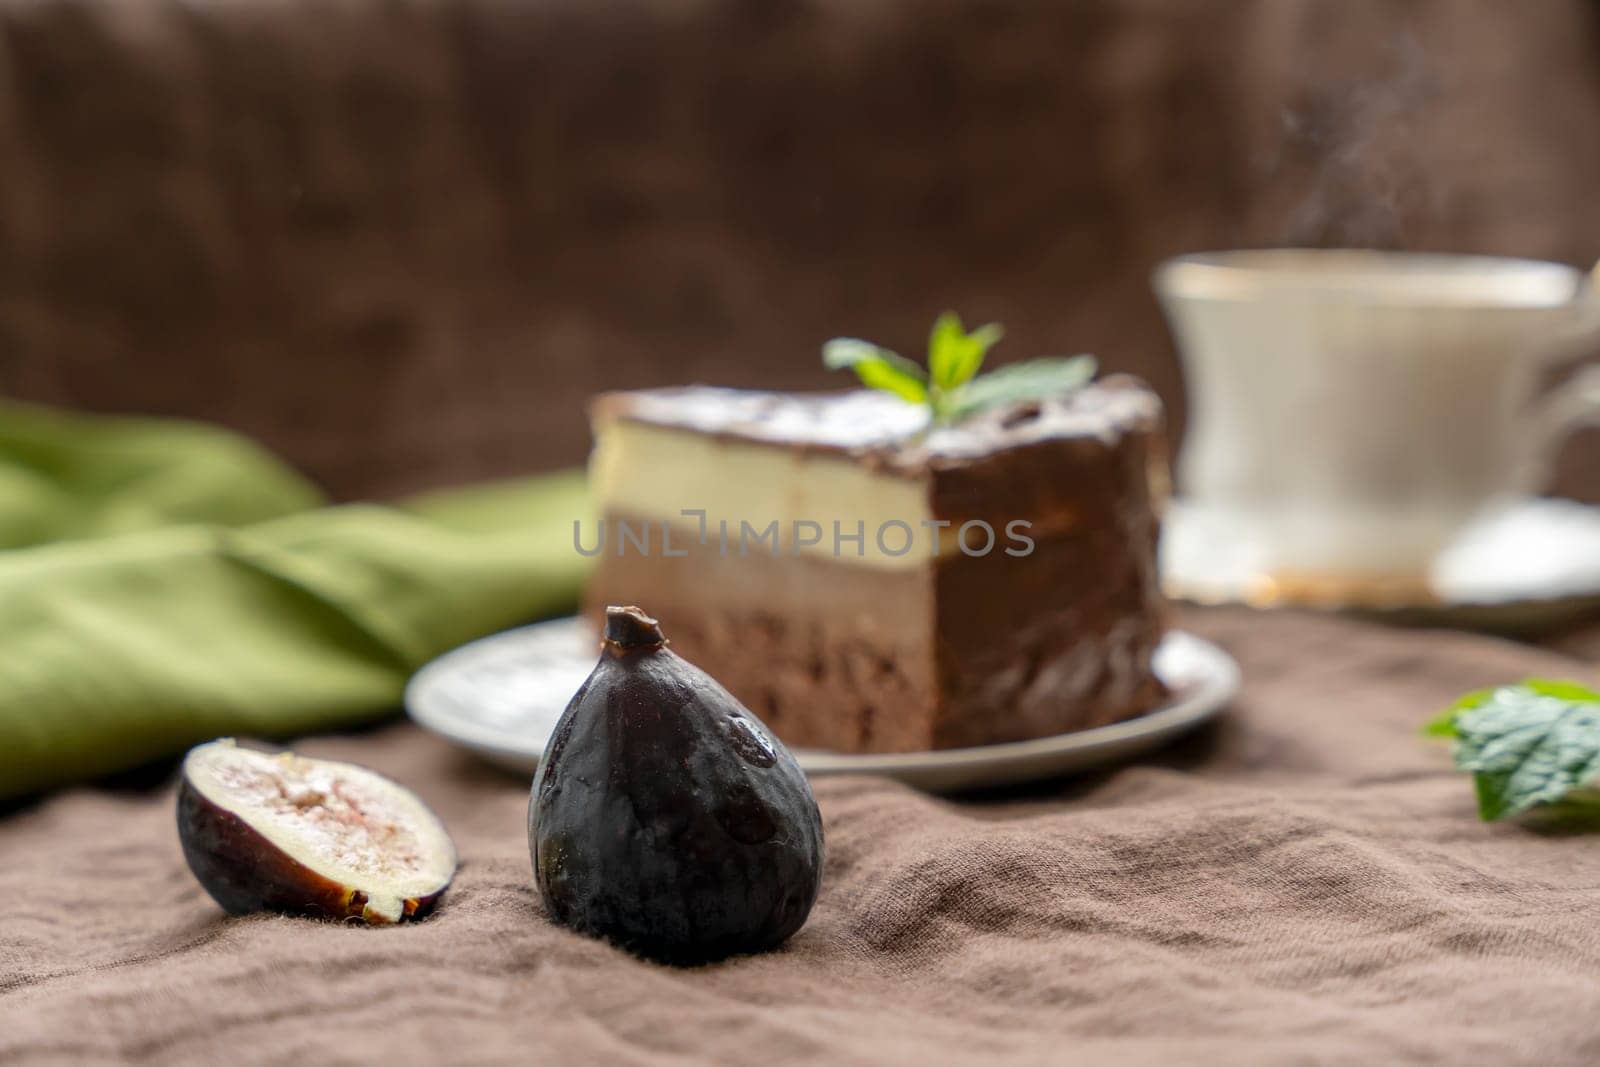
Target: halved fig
<point>280,832</point>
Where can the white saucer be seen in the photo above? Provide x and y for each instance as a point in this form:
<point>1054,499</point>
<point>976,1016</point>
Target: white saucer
<point>501,696</point>
<point>1529,565</point>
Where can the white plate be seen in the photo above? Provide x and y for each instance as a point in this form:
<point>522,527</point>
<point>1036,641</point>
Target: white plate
<point>1529,565</point>
<point>501,696</point>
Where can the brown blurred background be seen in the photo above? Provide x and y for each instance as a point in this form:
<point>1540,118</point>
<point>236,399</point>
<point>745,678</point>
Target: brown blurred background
<point>401,242</point>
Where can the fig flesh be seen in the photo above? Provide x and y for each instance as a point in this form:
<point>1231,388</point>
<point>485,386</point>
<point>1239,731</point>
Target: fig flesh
<point>665,816</point>
<point>281,832</point>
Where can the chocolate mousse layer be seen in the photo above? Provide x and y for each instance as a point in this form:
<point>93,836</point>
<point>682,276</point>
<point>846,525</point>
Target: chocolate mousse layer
<point>865,583</point>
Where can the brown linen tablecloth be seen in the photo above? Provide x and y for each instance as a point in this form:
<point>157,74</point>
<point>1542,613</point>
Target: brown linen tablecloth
<point>1303,882</point>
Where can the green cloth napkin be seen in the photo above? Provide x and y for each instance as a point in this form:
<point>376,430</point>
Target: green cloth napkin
<point>163,583</point>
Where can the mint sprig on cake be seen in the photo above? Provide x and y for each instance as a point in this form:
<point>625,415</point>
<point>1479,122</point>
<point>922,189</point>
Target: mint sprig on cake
<point>950,386</point>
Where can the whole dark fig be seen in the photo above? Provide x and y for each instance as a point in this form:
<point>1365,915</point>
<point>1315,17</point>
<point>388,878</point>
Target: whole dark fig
<point>664,816</point>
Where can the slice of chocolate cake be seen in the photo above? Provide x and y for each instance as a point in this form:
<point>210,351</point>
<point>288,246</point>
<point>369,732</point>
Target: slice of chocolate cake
<point>869,585</point>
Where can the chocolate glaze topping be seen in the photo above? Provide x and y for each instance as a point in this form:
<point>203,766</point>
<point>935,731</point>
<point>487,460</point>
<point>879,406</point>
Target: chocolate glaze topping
<point>884,428</point>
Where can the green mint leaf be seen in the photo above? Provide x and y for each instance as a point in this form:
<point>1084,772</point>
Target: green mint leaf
<point>954,355</point>
<point>844,352</point>
<point>1032,380</point>
<point>1528,745</point>
<point>1441,725</point>
<point>1560,689</point>
<point>891,378</point>
<point>878,368</point>
<point>1577,812</point>
<point>951,387</point>
<point>1444,724</point>
<point>1491,794</point>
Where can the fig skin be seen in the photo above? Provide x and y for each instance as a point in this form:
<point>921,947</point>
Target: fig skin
<point>665,817</point>
<point>245,872</point>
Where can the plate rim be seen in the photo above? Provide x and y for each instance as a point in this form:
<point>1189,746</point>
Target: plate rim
<point>1199,696</point>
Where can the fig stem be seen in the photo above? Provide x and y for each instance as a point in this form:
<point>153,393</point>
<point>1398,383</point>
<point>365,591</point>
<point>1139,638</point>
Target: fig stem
<point>629,628</point>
